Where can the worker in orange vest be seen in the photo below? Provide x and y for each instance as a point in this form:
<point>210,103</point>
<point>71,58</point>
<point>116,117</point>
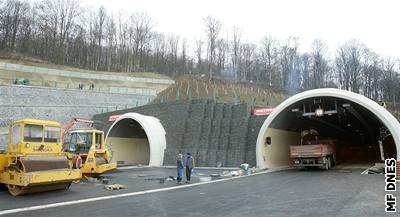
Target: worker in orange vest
<point>78,162</point>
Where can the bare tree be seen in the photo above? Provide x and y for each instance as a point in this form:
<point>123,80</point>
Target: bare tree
<point>235,51</point>
<point>288,55</point>
<point>141,24</point>
<point>199,53</point>
<point>248,64</point>
<point>306,71</point>
<point>389,81</point>
<point>99,33</point>
<point>183,56</point>
<point>268,54</point>
<point>57,17</point>
<point>221,51</point>
<point>213,27</point>
<point>12,15</point>
<point>349,65</point>
<point>111,42</point>
<point>319,66</point>
<point>173,43</point>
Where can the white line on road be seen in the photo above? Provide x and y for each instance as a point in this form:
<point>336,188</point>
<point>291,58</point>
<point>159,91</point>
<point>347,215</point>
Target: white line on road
<point>174,167</point>
<point>67,203</point>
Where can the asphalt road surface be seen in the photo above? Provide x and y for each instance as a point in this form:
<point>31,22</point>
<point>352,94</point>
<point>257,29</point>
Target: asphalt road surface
<point>137,179</point>
<point>284,193</point>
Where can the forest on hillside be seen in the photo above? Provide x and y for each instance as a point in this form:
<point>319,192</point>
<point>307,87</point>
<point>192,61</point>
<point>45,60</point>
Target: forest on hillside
<point>63,32</point>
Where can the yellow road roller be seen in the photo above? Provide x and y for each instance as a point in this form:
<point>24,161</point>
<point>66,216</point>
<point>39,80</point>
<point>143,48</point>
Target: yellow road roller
<point>89,143</point>
<point>34,160</point>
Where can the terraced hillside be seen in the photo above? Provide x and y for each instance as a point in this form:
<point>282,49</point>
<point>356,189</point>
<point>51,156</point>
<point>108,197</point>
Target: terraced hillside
<point>194,87</point>
<point>38,73</point>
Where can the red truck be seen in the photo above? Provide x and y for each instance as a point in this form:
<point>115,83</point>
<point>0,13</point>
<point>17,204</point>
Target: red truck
<point>313,152</point>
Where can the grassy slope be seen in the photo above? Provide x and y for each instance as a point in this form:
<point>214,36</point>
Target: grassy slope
<point>29,61</point>
<point>6,76</point>
<point>203,88</point>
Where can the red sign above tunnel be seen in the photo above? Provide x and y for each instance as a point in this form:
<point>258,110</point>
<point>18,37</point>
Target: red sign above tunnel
<point>113,118</point>
<point>262,111</point>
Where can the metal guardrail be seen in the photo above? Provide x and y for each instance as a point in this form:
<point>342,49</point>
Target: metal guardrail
<point>140,91</point>
<point>57,72</point>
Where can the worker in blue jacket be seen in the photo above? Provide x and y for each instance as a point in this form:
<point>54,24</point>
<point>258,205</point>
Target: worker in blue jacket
<point>179,165</point>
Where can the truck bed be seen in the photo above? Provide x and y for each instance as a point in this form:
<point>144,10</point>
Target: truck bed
<point>311,151</point>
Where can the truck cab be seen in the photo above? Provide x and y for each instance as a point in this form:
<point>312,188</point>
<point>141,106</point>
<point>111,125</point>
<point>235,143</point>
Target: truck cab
<point>313,152</point>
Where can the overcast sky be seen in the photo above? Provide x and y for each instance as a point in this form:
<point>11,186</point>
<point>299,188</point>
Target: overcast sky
<point>375,22</point>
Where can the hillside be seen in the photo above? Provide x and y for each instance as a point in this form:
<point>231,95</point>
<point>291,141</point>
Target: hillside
<point>15,68</point>
<point>195,87</point>
<point>32,61</point>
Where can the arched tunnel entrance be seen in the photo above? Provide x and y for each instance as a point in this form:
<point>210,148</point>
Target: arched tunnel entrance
<point>136,139</point>
<point>363,131</point>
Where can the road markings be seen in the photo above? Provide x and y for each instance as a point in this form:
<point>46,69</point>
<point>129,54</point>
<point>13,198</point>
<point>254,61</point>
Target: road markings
<point>174,167</point>
<point>68,203</point>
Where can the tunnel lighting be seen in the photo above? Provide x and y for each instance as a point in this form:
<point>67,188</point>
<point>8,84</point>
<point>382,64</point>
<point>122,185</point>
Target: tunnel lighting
<point>319,112</point>
<point>346,105</point>
<point>295,110</point>
<point>349,125</point>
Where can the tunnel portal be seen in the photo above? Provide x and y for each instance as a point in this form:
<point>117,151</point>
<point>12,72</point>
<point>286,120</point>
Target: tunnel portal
<point>136,139</point>
<point>363,132</point>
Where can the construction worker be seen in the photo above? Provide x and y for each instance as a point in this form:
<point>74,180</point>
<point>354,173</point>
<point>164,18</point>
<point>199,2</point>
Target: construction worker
<point>189,167</point>
<point>245,168</point>
<point>77,162</point>
<point>179,165</point>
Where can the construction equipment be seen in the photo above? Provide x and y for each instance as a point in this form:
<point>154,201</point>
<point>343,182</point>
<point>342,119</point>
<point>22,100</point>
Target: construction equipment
<point>34,161</point>
<point>89,143</point>
<point>72,121</point>
<point>313,152</point>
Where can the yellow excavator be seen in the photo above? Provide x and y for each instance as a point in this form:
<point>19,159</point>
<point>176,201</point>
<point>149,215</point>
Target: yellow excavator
<point>34,161</point>
<point>89,143</point>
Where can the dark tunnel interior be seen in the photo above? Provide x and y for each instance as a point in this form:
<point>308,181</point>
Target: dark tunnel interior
<point>355,130</point>
<point>129,143</point>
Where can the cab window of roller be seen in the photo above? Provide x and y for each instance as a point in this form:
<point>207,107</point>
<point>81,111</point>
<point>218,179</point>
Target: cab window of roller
<point>33,133</point>
<point>52,134</point>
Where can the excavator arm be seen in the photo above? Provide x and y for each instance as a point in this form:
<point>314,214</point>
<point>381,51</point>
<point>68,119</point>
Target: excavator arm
<point>71,122</point>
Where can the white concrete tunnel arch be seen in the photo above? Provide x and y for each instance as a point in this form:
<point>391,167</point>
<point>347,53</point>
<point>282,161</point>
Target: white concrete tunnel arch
<point>154,131</point>
<point>391,123</point>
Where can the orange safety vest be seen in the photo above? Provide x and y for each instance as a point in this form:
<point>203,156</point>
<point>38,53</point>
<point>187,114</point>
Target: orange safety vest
<point>78,162</point>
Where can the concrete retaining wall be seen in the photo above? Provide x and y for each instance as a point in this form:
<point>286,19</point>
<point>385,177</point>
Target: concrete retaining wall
<point>216,134</point>
<point>18,102</point>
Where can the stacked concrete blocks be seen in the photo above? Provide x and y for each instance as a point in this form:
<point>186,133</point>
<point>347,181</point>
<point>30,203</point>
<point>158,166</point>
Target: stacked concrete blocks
<point>215,133</point>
